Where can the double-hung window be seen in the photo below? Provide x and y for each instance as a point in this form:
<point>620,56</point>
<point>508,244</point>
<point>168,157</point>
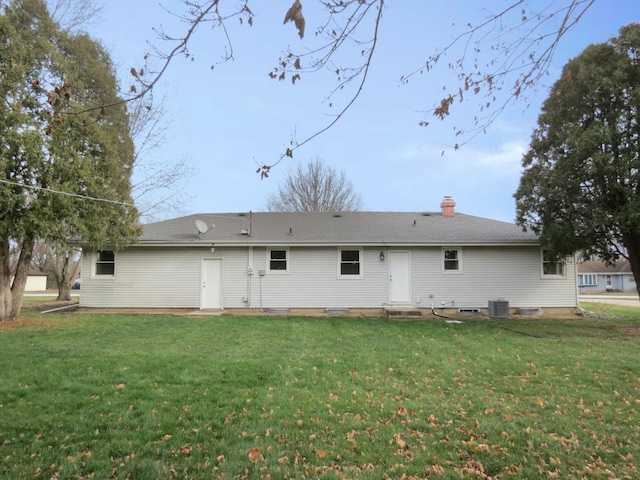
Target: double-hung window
<point>350,263</point>
<point>105,263</point>
<point>451,260</point>
<point>279,260</point>
<point>552,265</point>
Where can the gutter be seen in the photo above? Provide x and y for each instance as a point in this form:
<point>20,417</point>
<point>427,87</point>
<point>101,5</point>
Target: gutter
<point>267,243</point>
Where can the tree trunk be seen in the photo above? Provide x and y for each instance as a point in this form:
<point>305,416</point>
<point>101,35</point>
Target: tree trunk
<point>64,293</point>
<point>632,245</point>
<point>6,299</point>
<point>11,292</point>
<point>69,270</point>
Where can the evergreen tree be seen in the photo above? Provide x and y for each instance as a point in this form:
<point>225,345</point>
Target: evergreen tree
<point>65,175</point>
<point>580,190</point>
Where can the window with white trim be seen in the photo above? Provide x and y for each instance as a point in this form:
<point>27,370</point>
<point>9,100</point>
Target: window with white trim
<point>587,280</point>
<point>552,265</point>
<point>350,263</point>
<point>279,260</point>
<point>105,263</point>
<point>451,260</point>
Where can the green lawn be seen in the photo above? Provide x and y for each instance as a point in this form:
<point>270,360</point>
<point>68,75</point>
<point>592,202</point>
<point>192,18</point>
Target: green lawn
<point>154,397</point>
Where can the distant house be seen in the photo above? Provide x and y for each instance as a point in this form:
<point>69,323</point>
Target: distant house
<point>350,260</point>
<point>596,276</point>
<point>36,281</point>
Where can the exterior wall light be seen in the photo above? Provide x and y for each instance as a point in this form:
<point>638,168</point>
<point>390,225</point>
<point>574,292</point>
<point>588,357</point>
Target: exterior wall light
<point>381,256</point>
<point>213,248</point>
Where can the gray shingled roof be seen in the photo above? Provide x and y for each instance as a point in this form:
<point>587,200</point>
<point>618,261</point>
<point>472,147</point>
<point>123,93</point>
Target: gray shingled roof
<point>345,228</point>
<point>622,266</point>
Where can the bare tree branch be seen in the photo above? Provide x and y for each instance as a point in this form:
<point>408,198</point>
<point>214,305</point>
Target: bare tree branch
<point>74,14</point>
<point>353,20</point>
<point>196,15</point>
<point>523,47</point>
<point>499,61</point>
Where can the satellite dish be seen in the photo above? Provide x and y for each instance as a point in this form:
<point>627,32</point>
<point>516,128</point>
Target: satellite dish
<point>202,227</point>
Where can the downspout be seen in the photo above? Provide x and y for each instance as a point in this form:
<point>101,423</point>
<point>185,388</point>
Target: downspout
<point>575,276</point>
<point>249,275</point>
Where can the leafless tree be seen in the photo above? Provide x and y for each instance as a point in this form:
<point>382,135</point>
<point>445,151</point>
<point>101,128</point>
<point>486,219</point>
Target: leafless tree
<point>159,186</point>
<point>74,14</point>
<point>314,187</point>
<point>62,262</point>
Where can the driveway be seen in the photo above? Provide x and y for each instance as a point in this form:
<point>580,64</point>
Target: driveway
<point>624,300</point>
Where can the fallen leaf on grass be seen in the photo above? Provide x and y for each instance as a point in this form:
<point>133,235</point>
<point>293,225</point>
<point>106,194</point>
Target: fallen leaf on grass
<point>230,417</point>
<point>434,470</point>
<point>255,454</point>
<point>399,441</point>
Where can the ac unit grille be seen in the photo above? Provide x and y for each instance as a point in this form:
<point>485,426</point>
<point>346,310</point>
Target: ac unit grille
<point>498,309</point>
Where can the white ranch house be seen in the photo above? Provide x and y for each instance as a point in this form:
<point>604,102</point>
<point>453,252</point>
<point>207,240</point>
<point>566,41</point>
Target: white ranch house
<point>444,260</point>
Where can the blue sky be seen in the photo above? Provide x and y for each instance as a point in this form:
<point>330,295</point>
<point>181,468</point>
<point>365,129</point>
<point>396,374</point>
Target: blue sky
<point>229,120</point>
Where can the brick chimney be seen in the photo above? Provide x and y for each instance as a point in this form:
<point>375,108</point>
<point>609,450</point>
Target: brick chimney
<point>447,207</point>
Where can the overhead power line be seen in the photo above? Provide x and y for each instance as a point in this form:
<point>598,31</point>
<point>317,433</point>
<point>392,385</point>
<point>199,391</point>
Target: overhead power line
<point>68,194</point>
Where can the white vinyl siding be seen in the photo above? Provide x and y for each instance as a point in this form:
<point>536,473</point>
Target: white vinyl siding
<point>511,273</point>
<point>151,278</point>
<point>312,281</point>
<point>171,278</point>
<point>489,272</point>
<point>235,275</point>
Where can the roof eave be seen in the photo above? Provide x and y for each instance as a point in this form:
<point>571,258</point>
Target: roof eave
<point>377,244</point>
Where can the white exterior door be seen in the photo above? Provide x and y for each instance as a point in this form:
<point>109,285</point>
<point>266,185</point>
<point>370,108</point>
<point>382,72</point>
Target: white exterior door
<point>399,277</point>
<point>211,288</point>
